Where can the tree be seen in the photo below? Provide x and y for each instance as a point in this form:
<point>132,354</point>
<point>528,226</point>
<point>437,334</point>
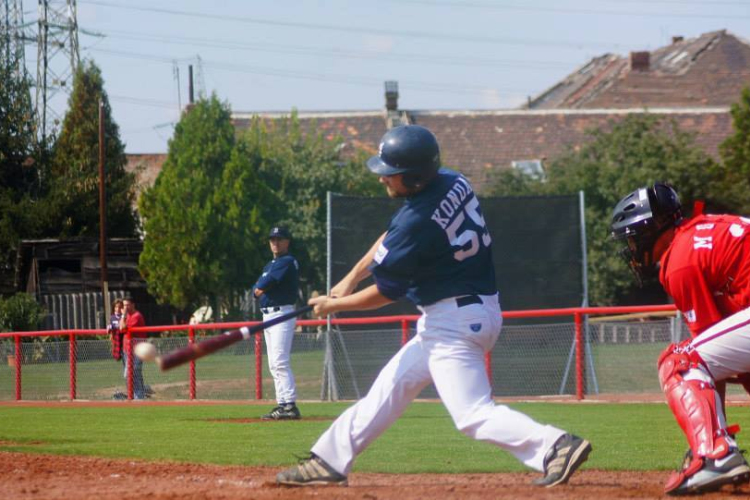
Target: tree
<point>75,164</point>
<point>735,155</point>
<point>625,155</point>
<point>300,164</point>
<point>20,313</point>
<point>205,218</point>
<point>23,208</point>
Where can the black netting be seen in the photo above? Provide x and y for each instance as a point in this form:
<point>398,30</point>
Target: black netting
<point>538,261</point>
<point>536,246</point>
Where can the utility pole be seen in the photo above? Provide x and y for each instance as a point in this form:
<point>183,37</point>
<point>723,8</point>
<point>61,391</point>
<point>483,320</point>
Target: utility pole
<point>176,73</point>
<point>103,216</point>
<point>191,96</point>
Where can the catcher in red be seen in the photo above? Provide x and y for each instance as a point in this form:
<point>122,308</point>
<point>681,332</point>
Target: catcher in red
<point>703,263</point>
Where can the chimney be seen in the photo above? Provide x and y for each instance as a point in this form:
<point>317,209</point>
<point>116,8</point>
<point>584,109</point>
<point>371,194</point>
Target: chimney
<point>391,96</point>
<point>640,61</point>
<point>677,39</point>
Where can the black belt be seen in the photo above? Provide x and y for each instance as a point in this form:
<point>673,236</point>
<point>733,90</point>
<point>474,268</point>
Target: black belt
<point>468,300</point>
<point>269,310</point>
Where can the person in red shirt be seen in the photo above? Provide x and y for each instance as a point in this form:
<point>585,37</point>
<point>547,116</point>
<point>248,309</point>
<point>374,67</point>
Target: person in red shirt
<point>132,318</point>
<point>703,263</point>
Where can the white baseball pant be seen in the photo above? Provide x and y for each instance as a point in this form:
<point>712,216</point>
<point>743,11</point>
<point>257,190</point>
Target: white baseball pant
<point>447,350</point>
<point>725,347</point>
<point>279,348</point>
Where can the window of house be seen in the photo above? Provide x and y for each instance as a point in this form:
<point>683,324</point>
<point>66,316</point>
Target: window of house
<point>532,168</point>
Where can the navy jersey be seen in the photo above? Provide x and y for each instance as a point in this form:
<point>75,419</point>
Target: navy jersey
<point>437,245</point>
<point>279,281</point>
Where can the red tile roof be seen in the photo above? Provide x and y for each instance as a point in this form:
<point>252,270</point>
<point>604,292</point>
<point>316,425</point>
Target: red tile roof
<point>709,70</point>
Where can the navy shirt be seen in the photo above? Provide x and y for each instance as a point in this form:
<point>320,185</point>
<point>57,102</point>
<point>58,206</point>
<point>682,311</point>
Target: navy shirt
<point>279,281</point>
<point>437,245</point>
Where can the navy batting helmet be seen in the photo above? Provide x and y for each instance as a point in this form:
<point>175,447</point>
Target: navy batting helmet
<point>406,149</point>
<point>640,218</point>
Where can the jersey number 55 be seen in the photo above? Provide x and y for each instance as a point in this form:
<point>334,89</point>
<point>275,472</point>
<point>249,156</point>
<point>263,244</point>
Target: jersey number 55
<point>468,235</point>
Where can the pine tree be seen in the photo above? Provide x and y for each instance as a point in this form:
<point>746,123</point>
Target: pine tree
<point>75,164</point>
<point>23,209</point>
<point>205,217</point>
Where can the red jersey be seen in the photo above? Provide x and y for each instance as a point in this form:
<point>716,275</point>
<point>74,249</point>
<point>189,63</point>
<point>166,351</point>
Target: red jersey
<point>706,269</point>
<point>133,320</point>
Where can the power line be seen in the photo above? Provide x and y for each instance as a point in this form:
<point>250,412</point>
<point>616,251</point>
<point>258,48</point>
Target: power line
<point>441,37</point>
<point>561,10</point>
<point>342,53</point>
<point>325,77</point>
<point>138,101</point>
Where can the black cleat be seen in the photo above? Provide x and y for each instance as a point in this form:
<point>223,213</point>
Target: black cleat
<point>313,471</point>
<point>715,473</point>
<point>288,411</point>
<point>562,460</point>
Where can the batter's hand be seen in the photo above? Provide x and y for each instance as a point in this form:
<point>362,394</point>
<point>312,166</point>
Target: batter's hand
<point>321,305</point>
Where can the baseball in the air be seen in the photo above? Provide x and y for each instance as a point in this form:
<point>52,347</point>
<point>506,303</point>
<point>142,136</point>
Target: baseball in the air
<point>145,351</point>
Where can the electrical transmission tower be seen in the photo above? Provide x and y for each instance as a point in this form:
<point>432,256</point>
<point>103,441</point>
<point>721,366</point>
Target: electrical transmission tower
<point>57,59</point>
<point>13,33</point>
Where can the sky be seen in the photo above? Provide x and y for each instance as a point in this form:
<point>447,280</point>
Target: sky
<point>335,55</point>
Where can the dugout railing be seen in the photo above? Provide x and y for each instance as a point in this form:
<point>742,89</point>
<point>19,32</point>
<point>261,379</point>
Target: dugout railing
<point>86,352</point>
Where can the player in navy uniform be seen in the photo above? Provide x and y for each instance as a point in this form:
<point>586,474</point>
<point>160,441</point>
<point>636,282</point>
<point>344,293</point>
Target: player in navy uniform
<point>436,253</point>
<point>277,290</point>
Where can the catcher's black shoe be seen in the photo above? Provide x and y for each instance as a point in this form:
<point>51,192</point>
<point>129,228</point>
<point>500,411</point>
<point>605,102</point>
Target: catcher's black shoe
<point>288,411</point>
<point>313,471</point>
<point>715,473</point>
<point>562,460</point>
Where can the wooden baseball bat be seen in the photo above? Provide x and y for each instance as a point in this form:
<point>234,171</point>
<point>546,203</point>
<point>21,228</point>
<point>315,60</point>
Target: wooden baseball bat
<point>195,351</point>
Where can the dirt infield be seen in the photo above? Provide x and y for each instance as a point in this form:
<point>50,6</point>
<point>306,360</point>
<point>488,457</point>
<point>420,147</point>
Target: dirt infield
<point>48,477</point>
<point>42,477</point>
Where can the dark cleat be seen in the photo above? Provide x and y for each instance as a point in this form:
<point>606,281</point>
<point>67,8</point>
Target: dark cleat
<point>715,473</point>
<point>562,460</point>
<point>287,411</point>
<point>313,471</point>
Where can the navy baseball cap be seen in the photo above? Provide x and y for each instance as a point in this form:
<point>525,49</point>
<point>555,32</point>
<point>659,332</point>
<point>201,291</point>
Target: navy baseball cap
<point>280,232</point>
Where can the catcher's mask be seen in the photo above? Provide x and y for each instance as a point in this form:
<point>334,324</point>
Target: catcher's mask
<point>639,219</point>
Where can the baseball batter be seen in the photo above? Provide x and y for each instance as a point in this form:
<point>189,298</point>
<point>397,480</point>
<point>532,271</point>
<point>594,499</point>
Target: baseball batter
<point>277,290</point>
<point>704,265</point>
<point>437,252</point>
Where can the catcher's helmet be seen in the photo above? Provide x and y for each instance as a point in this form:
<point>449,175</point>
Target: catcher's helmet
<point>407,149</point>
<point>640,218</point>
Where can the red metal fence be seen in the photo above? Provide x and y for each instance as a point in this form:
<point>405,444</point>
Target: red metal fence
<point>578,314</point>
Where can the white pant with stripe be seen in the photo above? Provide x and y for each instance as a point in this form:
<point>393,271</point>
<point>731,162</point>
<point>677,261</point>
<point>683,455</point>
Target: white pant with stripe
<point>725,347</point>
<point>448,350</point>
<point>279,348</point>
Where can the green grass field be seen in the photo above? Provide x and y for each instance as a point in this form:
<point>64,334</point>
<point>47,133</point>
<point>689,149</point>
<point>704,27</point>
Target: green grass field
<point>624,436</point>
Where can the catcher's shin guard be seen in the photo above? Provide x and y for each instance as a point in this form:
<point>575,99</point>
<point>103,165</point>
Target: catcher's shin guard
<point>693,403</point>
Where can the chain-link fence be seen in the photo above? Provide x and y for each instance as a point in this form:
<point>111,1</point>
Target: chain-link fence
<point>530,359</point>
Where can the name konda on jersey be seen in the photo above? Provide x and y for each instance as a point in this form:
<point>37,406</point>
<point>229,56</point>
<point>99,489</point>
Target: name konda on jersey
<point>451,202</point>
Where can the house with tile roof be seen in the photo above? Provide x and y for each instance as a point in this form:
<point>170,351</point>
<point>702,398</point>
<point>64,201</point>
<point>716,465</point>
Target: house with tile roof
<point>693,81</point>
<point>707,71</point>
